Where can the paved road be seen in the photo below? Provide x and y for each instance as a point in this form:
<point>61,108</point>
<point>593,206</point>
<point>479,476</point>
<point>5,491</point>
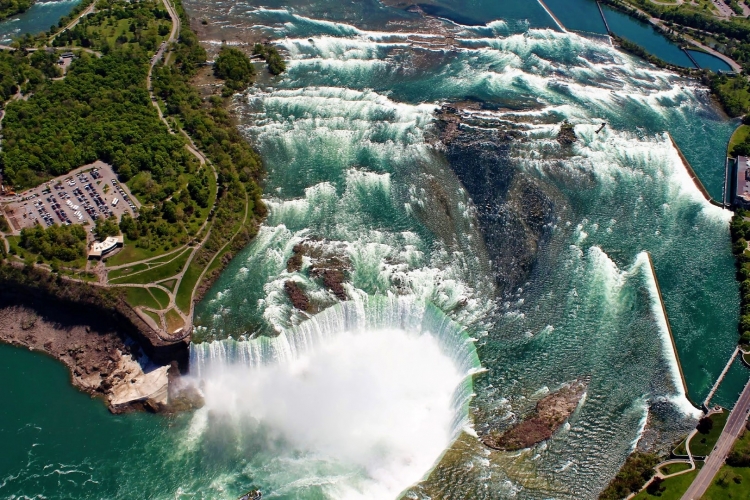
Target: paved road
<point>732,430</point>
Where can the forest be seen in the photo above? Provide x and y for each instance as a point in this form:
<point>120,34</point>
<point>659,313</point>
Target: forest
<point>12,7</point>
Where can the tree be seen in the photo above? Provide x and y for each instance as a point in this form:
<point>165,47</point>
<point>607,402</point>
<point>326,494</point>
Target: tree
<point>234,67</point>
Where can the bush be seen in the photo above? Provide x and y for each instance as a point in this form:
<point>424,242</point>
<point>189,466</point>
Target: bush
<point>65,243</point>
<point>234,67</point>
<point>638,468</point>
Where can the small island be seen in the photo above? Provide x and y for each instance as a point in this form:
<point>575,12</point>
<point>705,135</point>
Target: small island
<point>550,414</point>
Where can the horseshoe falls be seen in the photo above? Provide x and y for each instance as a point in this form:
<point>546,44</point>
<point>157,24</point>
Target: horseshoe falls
<point>435,262</point>
<point>417,193</point>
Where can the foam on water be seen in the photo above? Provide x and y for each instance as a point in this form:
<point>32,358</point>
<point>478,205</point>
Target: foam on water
<point>376,389</point>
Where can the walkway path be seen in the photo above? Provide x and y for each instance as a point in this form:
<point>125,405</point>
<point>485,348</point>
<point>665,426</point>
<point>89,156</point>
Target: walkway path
<point>721,377</point>
<point>732,430</point>
<point>72,23</point>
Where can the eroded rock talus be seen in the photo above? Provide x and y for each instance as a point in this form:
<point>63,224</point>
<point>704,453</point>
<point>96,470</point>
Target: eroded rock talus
<point>102,361</point>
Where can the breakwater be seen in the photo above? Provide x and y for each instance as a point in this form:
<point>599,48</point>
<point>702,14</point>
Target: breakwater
<point>694,176</point>
<point>669,327</point>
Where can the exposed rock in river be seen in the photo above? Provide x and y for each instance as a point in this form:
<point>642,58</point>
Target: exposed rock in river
<point>513,208</point>
<point>326,263</point>
<point>297,295</point>
<point>550,414</point>
<point>567,134</point>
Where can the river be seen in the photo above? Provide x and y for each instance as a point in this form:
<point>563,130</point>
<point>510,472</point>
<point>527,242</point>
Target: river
<point>484,266</point>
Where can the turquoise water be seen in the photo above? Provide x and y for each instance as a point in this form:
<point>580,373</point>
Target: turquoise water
<point>361,399</point>
<point>645,36</point>
<point>37,19</point>
<point>710,62</point>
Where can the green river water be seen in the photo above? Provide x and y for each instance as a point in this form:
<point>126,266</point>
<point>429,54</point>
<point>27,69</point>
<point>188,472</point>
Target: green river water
<point>455,323</point>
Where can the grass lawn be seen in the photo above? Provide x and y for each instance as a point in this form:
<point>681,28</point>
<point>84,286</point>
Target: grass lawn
<point>740,135</point>
<point>140,297</point>
<point>174,321</point>
<point>680,449</point>
<point>161,297</point>
<point>673,468</point>
<point>118,273</point>
<point>169,284</point>
<point>155,317</point>
<point>730,482</point>
<point>185,292</point>
<point>673,488</point>
<point>702,444</point>
<point>158,273</point>
<point>132,253</point>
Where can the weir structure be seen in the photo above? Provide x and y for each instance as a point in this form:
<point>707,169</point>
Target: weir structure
<point>721,377</point>
<point>606,24</point>
<point>553,16</point>
<point>669,327</point>
<point>695,177</point>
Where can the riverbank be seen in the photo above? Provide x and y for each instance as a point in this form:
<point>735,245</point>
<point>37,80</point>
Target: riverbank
<point>102,360</point>
<point>13,7</point>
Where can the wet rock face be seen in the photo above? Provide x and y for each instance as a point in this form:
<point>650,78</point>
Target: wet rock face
<point>513,210</point>
<point>567,134</point>
<point>297,296</point>
<point>328,264</point>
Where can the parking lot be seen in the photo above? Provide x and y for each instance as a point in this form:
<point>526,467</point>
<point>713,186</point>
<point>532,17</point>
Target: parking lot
<point>79,197</point>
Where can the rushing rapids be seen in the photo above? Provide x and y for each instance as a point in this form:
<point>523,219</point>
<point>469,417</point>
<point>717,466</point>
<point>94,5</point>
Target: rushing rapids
<point>422,152</point>
<point>415,151</point>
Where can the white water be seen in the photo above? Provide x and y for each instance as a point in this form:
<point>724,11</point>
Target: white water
<point>377,390</point>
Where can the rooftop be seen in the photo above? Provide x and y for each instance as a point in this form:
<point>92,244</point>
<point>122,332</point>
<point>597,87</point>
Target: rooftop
<point>100,248</point>
<point>743,178</point>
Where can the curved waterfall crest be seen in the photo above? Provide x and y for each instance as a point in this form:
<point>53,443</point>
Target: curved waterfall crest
<point>375,313</point>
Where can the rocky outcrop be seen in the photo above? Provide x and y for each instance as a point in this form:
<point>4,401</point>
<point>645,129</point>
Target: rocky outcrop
<point>297,295</point>
<point>102,361</point>
<point>514,210</point>
<point>550,414</point>
<point>327,264</point>
<point>567,134</point>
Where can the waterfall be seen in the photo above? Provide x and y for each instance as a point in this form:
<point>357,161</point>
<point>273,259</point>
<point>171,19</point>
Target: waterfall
<point>376,313</point>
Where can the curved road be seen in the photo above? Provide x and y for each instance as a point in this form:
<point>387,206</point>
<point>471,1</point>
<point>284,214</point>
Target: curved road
<point>732,430</point>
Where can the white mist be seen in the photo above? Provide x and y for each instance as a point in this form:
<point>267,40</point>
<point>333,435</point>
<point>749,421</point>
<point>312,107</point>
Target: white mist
<point>377,401</point>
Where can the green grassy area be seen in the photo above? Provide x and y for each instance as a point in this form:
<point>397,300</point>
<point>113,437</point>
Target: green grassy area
<point>132,253</point>
<point>154,316</point>
<point>185,292</point>
<point>742,134</point>
<point>140,297</point>
<point>174,321</point>
<point>680,449</point>
<point>730,483</point>
<point>161,296</point>
<point>158,273</point>
<point>166,257</point>
<point>674,468</point>
<point>169,284</point>
<point>671,489</point>
<point>702,444</point>
<point>118,273</point>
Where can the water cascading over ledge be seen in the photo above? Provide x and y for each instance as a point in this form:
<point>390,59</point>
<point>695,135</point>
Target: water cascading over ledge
<point>380,384</point>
